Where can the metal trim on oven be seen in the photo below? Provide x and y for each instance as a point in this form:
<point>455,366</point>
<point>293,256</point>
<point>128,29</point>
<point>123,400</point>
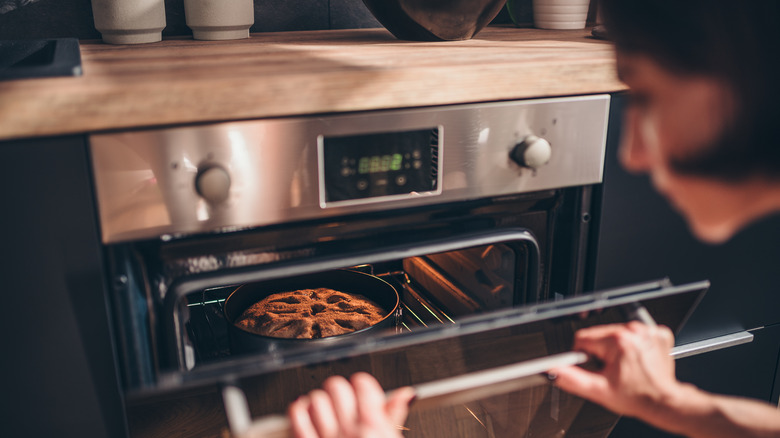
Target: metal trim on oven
<point>712,344</point>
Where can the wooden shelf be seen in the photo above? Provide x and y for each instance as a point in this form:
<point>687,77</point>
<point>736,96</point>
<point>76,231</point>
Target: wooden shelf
<point>182,81</point>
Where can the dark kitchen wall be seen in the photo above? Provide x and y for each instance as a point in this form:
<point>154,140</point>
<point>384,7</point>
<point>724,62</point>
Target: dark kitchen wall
<point>27,19</point>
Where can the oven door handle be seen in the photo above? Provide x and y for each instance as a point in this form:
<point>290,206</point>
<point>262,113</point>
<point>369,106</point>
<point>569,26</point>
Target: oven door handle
<point>449,391</point>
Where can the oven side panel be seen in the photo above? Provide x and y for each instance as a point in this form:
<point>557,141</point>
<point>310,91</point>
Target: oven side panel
<point>58,371</point>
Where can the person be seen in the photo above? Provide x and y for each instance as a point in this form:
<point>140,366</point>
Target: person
<point>702,122</point>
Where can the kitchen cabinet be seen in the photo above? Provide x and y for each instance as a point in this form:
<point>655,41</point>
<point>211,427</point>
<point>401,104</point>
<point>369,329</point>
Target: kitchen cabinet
<point>59,375</point>
<point>288,74</point>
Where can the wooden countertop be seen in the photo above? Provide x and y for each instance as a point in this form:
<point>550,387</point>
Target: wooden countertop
<point>179,81</point>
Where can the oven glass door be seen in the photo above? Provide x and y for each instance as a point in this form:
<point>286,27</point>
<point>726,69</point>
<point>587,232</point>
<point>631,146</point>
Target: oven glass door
<point>525,404</point>
<point>478,343</point>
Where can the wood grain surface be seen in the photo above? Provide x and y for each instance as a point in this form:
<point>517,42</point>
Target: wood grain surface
<point>180,81</point>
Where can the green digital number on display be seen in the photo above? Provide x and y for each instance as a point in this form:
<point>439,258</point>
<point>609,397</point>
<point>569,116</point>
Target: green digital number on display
<point>395,164</point>
<point>379,163</point>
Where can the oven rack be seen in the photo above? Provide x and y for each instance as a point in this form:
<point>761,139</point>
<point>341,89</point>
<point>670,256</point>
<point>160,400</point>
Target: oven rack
<point>207,328</point>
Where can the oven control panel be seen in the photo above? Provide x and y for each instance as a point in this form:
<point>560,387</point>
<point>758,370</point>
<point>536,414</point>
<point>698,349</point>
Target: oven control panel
<point>168,182</point>
<point>213,183</point>
<point>532,152</point>
<point>385,165</point>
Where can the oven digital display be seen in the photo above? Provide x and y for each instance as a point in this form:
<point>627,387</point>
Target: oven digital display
<point>383,164</point>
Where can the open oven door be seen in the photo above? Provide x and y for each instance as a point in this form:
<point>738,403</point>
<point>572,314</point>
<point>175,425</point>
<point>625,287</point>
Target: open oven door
<point>480,377</point>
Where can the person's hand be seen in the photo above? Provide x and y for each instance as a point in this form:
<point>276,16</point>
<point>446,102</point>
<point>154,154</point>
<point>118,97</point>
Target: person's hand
<point>350,409</point>
<point>637,372</point>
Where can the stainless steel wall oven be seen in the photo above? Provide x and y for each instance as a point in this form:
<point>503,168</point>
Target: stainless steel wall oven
<point>481,218</point>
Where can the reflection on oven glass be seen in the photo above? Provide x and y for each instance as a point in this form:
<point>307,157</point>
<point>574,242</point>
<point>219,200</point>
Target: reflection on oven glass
<point>207,328</point>
<point>540,410</point>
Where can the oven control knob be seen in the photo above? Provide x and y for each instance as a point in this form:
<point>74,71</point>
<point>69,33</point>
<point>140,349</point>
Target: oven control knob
<point>533,152</point>
<point>213,183</point>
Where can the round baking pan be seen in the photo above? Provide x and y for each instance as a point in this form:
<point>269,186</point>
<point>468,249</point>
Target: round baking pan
<point>354,282</point>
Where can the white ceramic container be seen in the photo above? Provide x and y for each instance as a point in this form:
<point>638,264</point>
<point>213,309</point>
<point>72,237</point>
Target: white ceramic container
<point>129,21</point>
<point>560,14</point>
<point>219,19</point>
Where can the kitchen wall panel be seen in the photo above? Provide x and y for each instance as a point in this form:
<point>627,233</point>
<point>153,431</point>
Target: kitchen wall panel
<point>46,19</point>
<point>58,375</point>
<point>27,19</point>
<point>351,14</point>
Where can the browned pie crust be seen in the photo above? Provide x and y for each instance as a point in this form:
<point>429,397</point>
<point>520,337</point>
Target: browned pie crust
<point>310,314</point>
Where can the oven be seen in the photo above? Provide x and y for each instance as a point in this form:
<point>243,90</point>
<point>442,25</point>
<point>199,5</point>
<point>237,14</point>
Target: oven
<point>481,218</point>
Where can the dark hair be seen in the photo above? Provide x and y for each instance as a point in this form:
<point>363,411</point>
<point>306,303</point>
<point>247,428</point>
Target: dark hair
<point>736,41</point>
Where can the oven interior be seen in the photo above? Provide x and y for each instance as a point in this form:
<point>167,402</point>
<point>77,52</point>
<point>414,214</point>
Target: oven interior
<point>434,289</point>
<point>445,262</point>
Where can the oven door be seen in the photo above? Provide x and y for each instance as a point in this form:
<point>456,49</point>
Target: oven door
<point>525,340</point>
<point>485,377</point>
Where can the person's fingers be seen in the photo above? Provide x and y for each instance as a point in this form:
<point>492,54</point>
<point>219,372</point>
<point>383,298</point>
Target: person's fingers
<point>666,335</point>
<point>600,331</point>
<point>580,382</point>
<point>660,336</point>
<point>344,403</point>
<point>397,405</point>
<point>300,420</point>
<point>323,415</point>
<point>370,397</point>
<point>600,341</point>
